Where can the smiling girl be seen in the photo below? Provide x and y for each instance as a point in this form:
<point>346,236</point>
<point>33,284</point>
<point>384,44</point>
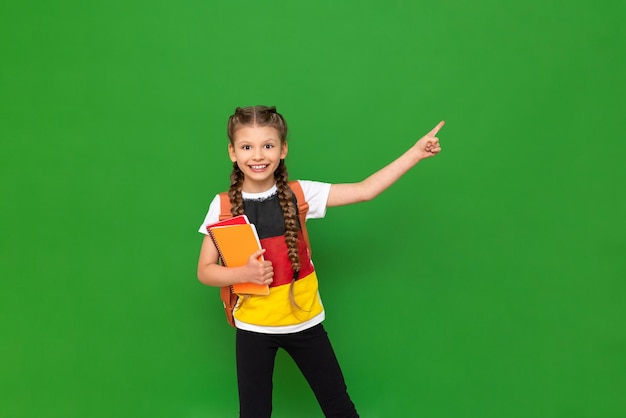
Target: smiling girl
<point>291,316</point>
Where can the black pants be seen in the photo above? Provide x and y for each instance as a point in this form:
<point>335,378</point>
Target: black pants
<point>314,356</point>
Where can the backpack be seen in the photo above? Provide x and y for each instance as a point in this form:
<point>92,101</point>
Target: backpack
<point>226,293</point>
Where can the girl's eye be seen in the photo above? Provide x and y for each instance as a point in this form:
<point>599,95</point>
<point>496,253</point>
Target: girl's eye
<point>269,146</point>
<point>246,147</point>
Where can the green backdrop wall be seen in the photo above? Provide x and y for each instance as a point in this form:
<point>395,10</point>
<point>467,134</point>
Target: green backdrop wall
<point>497,292</point>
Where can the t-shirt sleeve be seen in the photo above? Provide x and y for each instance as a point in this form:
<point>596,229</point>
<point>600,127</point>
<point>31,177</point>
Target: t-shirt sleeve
<point>316,195</point>
<point>212,216</point>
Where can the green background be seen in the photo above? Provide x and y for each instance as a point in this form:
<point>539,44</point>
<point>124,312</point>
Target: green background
<point>497,291</point>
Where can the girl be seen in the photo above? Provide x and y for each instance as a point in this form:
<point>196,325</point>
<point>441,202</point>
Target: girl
<point>291,316</point>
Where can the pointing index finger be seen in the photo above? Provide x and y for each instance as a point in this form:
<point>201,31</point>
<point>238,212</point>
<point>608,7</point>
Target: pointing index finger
<point>436,129</point>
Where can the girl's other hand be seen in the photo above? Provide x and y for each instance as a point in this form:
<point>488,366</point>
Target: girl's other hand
<point>428,145</point>
<point>258,270</point>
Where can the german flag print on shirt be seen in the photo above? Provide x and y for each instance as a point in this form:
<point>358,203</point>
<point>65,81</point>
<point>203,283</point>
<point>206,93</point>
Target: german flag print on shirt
<point>277,309</point>
<point>276,313</point>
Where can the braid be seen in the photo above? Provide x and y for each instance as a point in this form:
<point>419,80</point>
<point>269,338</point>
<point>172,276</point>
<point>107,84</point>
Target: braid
<point>234,193</point>
<point>285,197</point>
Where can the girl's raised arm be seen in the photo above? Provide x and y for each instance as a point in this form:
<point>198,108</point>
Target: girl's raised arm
<point>347,193</point>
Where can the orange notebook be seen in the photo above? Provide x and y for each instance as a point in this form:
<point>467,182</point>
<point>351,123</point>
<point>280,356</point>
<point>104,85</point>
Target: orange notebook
<point>235,243</point>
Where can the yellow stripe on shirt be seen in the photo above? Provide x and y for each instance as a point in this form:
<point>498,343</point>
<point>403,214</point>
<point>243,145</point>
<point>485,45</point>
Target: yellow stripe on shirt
<point>276,309</point>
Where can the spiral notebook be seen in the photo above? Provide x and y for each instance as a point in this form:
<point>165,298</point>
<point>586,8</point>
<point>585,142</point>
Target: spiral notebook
<point>236,239</point>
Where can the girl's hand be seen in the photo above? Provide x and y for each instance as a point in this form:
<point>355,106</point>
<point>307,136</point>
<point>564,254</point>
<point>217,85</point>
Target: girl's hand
<point>428,145</point>
<point>258,271</point>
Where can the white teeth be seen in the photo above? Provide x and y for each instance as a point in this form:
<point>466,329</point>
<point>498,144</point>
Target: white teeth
<point>258,167</point>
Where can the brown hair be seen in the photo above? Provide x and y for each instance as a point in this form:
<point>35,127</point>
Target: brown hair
<point>267,116</point>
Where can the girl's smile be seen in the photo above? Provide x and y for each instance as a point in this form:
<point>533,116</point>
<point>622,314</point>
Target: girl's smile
<point>258,167</point>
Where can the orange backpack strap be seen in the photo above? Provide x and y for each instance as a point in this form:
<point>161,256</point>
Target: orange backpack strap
<point>226,293</point>
<point>225,206</point>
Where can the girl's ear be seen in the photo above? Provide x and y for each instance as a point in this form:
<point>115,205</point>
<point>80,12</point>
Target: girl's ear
<point>231,153</point>
<point>283,150</point>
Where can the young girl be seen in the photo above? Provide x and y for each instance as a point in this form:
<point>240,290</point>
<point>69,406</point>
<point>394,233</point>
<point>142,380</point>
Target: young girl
<point>291,316</point>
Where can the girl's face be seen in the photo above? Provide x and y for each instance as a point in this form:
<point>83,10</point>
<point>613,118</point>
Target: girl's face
<point>257,150</point>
